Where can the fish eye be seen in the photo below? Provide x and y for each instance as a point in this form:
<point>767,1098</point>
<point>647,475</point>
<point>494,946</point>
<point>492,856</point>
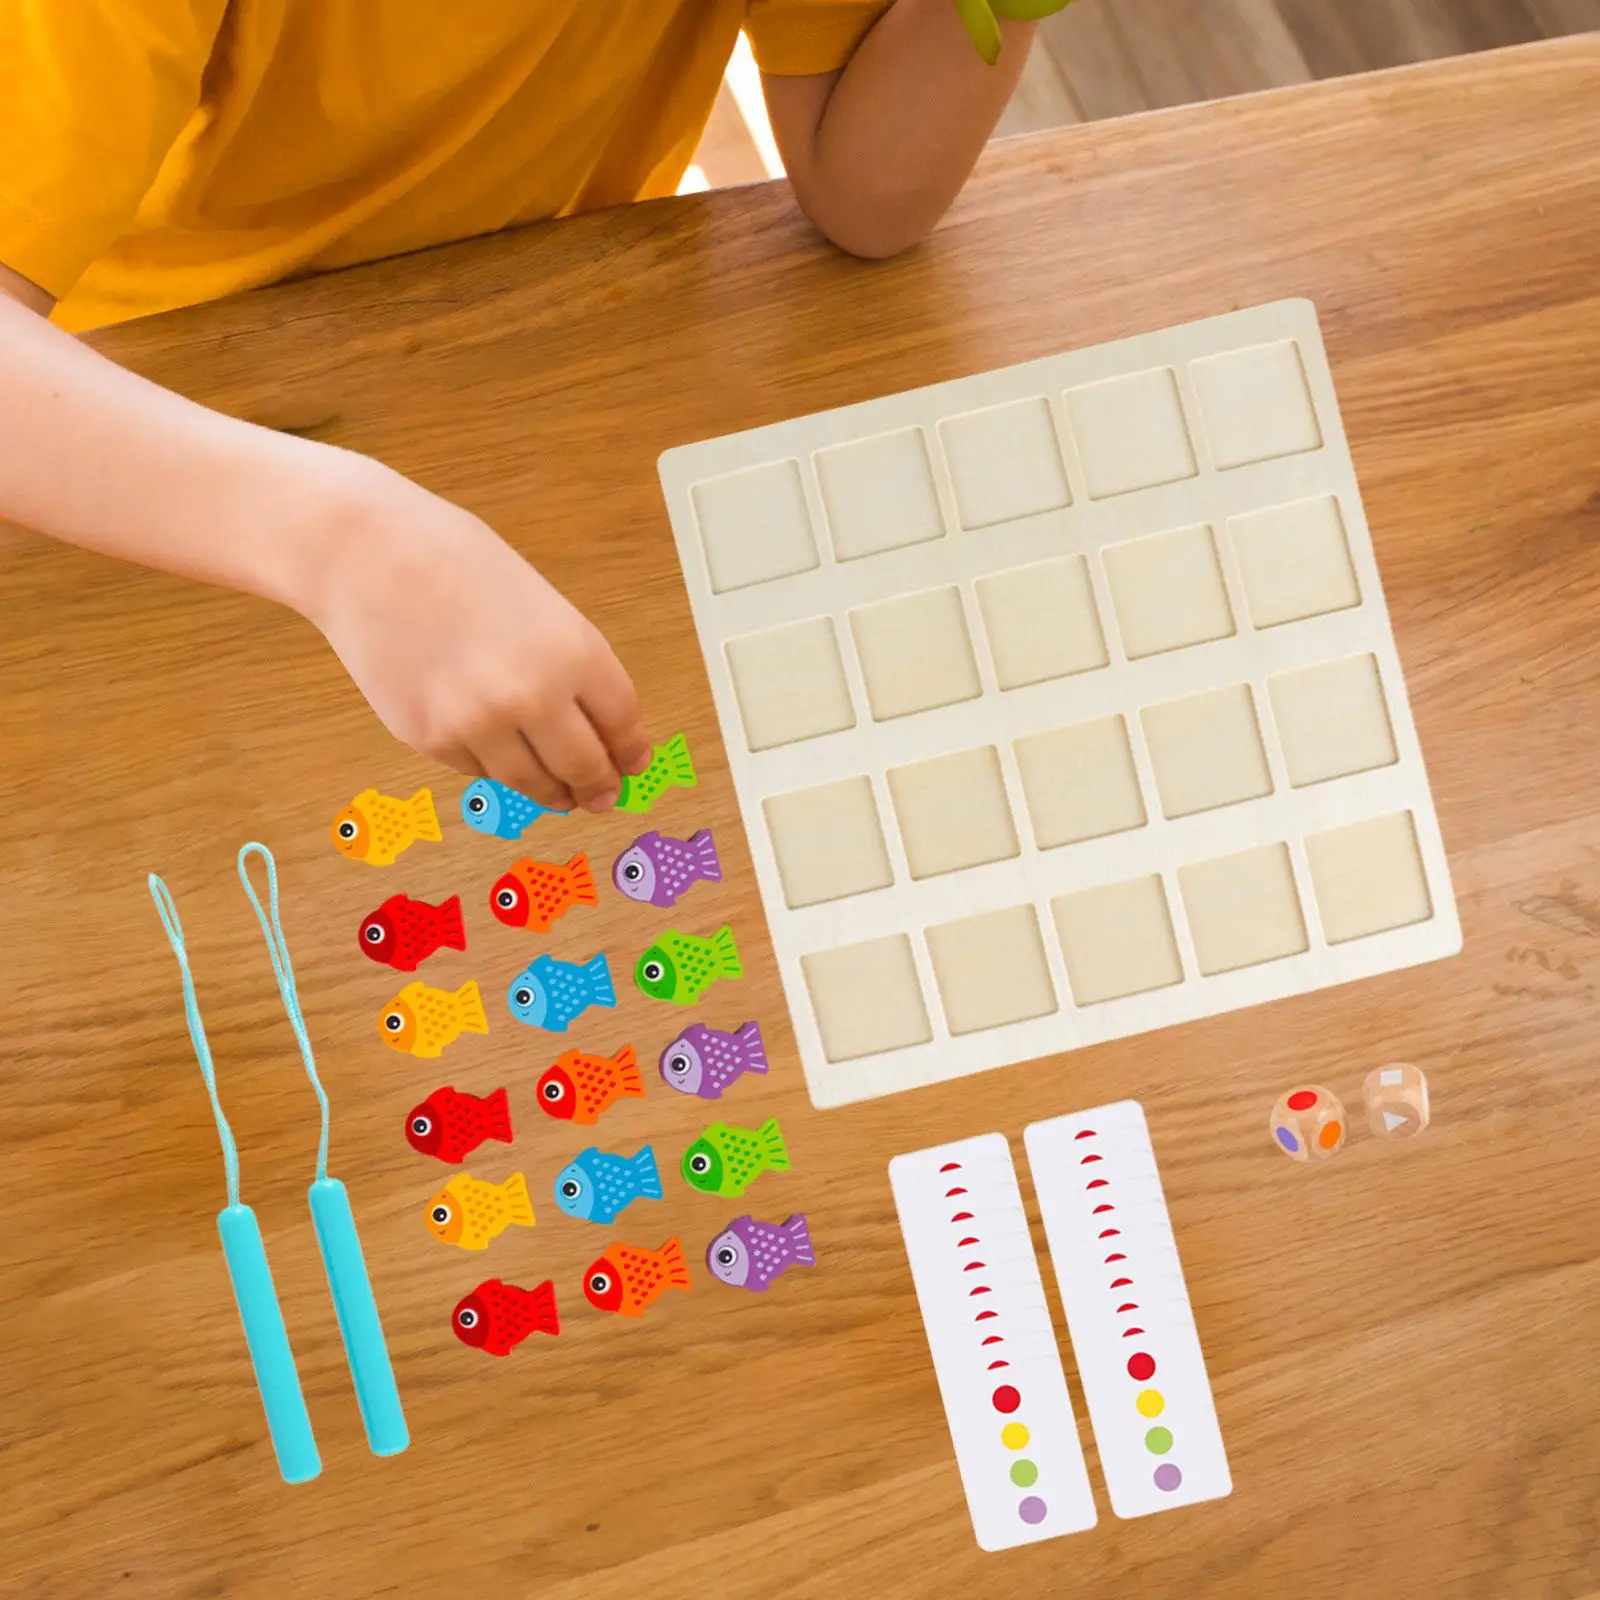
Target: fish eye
<point>700,1164</point>
<point>466,1317</point>
<point>570,1188</point>
<point>726,1256</point>
<point>678,1063</point>
<point>633,872</point>
<point>393,1021</point>
<point>372,933</point>
<point>553,1092</point>
<point>477,805</point>
<point>440,1214</point>
<point>347,830</point>
<point>506,899</point>
<point>523,997</point>
<point>653,972</point>
<point>599,1282</point>
<point>421,1126</point>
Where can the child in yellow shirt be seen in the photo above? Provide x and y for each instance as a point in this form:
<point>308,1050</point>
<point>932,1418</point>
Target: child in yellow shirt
<point>157,153</point>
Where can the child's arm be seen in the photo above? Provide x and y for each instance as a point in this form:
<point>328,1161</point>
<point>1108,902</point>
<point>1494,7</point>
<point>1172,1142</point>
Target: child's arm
<point>460,646</point>
<point>877,152</point>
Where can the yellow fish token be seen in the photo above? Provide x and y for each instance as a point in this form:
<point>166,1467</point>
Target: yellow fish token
<point>422,1021</point>
<point>469,1212</point>
<point>375,827</point>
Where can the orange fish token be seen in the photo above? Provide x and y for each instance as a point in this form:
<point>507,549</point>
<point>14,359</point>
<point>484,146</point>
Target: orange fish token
<point>535,894</point>
<point>626,1279</point>
<point>579,1087</point>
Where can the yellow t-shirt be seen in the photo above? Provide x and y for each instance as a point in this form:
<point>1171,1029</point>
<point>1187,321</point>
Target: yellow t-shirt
<point>156,153</point>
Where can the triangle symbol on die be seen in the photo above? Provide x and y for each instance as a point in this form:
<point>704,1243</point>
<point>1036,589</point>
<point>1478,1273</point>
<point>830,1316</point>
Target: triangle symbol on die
<point>1394,1119</point>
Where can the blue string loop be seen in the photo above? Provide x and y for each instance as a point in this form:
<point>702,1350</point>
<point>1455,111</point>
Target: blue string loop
<point>283,969</point>
<point>197,1030</point>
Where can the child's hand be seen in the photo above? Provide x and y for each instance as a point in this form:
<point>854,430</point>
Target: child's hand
<point>466,653</point>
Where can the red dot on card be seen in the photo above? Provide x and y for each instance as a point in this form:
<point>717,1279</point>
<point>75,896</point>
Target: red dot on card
<point>1084,1133</point>
<point>1141,1367</point>
<point>1006,1399</point>
<point>1302,1099</point>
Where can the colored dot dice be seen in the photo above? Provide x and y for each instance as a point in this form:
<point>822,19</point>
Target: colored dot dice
<point>1397,1100</point>
<point>1308,1123</point>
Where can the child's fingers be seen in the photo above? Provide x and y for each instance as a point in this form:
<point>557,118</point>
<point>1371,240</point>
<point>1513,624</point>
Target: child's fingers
<point>508,758</point>
<point>572,750</point>
<point>611,704</point>
<point>459,759</point>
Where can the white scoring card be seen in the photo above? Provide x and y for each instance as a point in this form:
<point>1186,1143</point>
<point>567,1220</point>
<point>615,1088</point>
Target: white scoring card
<point>1133,1332</point>
<point>994,1348</point>
<point>1061,702</point>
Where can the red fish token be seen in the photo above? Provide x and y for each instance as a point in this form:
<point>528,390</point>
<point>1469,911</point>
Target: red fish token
<point>451,1125</point>
<point>627,1280</point>
<point>496,1317</point>
<point>402,933</point>
<point>579,1087</point>
<point>535,894</point>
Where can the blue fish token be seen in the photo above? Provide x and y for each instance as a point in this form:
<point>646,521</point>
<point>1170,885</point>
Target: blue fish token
<point>492,808</point>
<point>548,993</point>
<point>598,1187</point>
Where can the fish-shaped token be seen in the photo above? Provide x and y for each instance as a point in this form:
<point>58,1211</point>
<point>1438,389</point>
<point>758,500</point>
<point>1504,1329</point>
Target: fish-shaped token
<point>579,1087</point>
<point>670,768</point>
<point>680,967</point>
<point>492,808</point>
<point>626,1279</point>
<point>726,1160</point>
<point>748,1254</point>
<point>496,1317</point>
<point>422,1021</point>
<point>402,933</point>
<point>659,870</point>
<point>451,1125</point>
<point>548,993</point>
<point>704,1061</point>
<point>469,1212</point>
<point>534,894</point>
<point>599,1187</point>
<point>375,827</point>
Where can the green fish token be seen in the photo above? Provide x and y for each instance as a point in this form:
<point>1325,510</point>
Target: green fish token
<point>726,1160</point>
<point>670,768</point>
<point>680,967</point>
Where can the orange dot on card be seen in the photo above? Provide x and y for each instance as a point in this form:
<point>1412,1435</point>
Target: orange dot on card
<point>1330,1135</point>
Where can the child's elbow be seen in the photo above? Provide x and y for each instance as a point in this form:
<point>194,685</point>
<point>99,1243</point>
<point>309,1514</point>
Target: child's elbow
<point>874,237</point>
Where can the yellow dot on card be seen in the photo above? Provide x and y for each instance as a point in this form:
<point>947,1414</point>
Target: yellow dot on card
<point>1150,1403</point>
<point>1013,1436</point>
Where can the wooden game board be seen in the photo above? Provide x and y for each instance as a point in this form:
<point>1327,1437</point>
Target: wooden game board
<point>1062,702</point>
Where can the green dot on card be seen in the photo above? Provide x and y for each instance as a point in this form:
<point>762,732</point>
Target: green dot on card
<point>1024,1474</point>
<point>1158,1441</point>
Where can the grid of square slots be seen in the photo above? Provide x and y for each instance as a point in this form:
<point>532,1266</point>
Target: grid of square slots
<point>1008,462</point>
<point>1117,940</point>
<point>1081,782</point>
<point>1150,590</point>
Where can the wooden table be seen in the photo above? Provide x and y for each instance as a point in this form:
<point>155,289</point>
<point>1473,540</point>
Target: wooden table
<point>1402,1344</point>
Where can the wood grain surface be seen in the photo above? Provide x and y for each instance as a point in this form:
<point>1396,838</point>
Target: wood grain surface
<point>1401,1341</point>
<point>1111,58</point>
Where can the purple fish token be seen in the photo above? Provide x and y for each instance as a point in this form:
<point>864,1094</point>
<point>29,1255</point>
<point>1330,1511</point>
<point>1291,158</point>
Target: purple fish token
<point>748,1254</point>
<point>659,870</point>
<point>704,1061</point>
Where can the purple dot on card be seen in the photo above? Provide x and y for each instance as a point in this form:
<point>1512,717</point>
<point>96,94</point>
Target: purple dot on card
<point>1033,1509</point>
<point>1168,1477</point>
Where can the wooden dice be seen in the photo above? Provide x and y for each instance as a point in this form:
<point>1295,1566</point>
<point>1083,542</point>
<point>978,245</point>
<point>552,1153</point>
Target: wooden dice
<point>1308,1123</point>
<point>1397,1100</point>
